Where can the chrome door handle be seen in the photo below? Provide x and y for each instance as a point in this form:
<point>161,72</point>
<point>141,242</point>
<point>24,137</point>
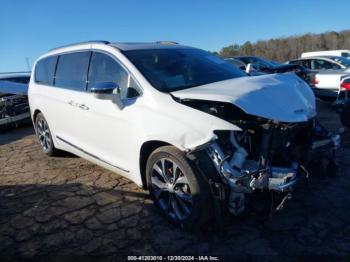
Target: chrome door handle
<point>83,107</point>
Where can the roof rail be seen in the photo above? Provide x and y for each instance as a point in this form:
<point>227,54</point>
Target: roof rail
<point>167,42</point>
<point>80,43</point>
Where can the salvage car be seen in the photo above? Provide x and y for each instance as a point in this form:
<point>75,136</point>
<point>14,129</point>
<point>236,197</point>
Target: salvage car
<point>328,73</point>
<point>254,65</point>
<point>342,104</point>
<point>14,107</point>
<point>195,131</point>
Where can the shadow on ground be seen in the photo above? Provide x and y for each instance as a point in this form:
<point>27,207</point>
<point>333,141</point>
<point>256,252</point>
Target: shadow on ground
<point>15,133</point>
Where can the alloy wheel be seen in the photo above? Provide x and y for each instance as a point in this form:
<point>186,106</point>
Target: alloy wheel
<point>44,134</point>
<point>171,189</point>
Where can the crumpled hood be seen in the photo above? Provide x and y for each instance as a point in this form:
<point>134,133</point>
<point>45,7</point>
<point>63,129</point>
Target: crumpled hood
<point>280,97</point>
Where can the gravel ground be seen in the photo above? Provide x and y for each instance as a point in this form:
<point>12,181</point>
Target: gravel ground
<point>66,208</point>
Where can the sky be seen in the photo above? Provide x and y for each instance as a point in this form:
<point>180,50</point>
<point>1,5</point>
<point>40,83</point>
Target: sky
<point>29,28</point>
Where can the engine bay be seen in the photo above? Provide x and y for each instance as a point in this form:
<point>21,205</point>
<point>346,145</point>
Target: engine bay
<point>266,154</point>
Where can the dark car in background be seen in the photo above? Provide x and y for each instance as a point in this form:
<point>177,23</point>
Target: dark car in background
<point>260,66</point>
<point>14,108</point>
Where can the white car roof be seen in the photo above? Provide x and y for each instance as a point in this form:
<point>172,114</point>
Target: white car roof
<point>126,46</point>
<point>144,46</point>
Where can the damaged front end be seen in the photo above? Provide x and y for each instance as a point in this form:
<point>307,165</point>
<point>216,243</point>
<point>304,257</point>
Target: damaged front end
<point>265,155</point>
<point>14,107</point>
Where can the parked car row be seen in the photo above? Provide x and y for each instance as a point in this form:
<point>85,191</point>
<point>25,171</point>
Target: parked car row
<point>197,132</point>
<point>328,73</point>
<point>254,66</point>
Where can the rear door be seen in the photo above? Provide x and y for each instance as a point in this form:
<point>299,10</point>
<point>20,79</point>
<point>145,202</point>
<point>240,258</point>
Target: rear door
<point>69,86</point>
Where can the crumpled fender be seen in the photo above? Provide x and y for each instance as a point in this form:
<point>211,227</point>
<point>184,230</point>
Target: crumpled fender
<point>182,126</point>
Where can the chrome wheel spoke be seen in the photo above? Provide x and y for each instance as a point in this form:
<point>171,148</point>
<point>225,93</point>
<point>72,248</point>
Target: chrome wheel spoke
<point>161,171</point>
<point>40,127</point>
<point>175,207</point>
<point>158,183</point>
<point>174,172</point>
<point>184,196</point>
<point>43,134</point>
<point>171,189</point>
<point>48,142</point>
<point>184,205</point>
<point>182,180</point>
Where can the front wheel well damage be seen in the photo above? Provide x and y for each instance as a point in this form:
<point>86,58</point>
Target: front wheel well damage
<point>146,150</point>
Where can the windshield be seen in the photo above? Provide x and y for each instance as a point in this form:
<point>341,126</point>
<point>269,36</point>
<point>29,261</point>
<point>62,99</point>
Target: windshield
<point>169,70</point>
<point>341,60</point>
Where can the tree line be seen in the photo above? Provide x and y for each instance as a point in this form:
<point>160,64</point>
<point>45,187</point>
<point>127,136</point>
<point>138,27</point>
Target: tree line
<point>287,48</point>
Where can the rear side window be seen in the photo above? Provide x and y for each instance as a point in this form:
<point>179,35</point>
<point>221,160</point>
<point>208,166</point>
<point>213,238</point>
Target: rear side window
<point>319,64</point>
<point>45,70</point>
<point>104,68</point>
<point>71,70</point>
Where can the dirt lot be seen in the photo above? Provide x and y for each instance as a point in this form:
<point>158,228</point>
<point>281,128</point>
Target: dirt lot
<point>67,208</point>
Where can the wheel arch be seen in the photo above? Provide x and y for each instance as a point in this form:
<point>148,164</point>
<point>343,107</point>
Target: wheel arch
<point>146,150</point>
<point>35,114</point>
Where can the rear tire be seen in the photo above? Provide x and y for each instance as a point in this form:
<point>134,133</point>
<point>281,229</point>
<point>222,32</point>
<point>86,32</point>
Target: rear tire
<point>44,136</point>
<point>183,196</point>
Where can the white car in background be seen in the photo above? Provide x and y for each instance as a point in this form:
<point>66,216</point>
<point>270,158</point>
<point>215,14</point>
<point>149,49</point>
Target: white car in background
<point>342,53</point>
<point>327,71</point>
<point>186,125</point>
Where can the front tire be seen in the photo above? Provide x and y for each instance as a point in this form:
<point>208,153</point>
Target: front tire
<point>44,136</point>
<point>179,192</point>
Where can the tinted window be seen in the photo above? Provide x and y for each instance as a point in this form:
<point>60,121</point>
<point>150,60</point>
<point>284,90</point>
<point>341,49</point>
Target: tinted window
<point>341,60</point>
<point>104,68</point>
<point>297,62</point>
<point>323,64</point>
<point>306,64</point>
<point>303,63</point>
<point>257,62</point>
<point>237,63</point>
<point>174,69</point>
<point>45,70</point>
<point>72,70</point>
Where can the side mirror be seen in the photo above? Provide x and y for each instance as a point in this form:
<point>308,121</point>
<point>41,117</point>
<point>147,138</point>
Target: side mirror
<point>100,90</point>
<point>132,92</point>
<point>249,68</point>
<point>108,91</point>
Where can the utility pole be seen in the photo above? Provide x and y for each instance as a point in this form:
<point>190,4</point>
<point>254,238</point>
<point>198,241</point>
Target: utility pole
<point>28,64</point>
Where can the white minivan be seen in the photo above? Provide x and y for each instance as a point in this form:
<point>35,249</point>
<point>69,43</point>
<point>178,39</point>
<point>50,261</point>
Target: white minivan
<point>342,53</point>
<point>193,129</point>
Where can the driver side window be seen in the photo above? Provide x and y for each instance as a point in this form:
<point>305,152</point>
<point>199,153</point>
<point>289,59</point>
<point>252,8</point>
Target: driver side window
<point>104,68</point>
